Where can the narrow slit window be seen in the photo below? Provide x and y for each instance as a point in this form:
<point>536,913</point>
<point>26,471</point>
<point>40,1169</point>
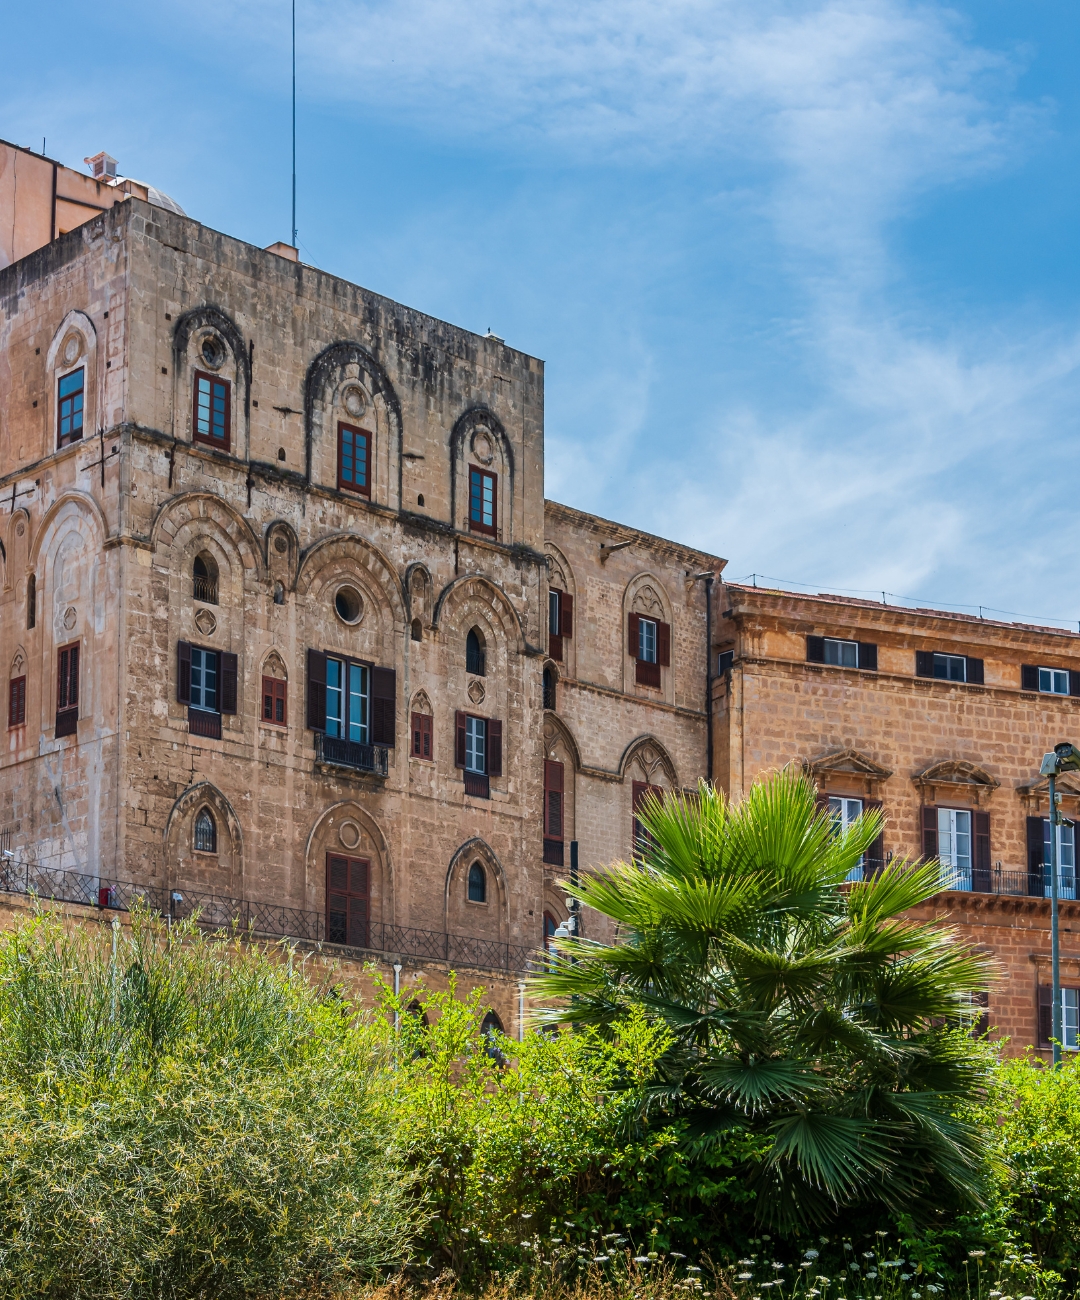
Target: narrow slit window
<point>205,832</point>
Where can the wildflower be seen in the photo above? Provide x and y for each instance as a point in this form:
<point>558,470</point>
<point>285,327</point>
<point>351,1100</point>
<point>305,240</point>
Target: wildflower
<point>676,1255</point>
<point>822,1279</point>
<point>600,1259</point>
<point>916,1295</point>
<point>652,1254</point>
<point>824,1240</point>
<point>905,1277</point>
<point>811,1254</point>
<point>745,1277</point>
<point>976,1254</point>
<point>777,1266</point>
<point>881,1233</point>
<point>556,1241</point>
<point>641,1259</point>
<point>693,1268</point>
<point>868,1254</point>
<point>807,1263</point>
<point>526,1245</point>
<point>813,1291</point>
<point>526,1216</point>
<point>745,1263</point>
<point>1027,1297</point>
<point>995,1295</point>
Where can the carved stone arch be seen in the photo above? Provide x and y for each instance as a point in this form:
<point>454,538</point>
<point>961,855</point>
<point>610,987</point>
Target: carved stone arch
<point>560,572</point>
<point>419,589</point>
<point>556,729</point>
<point>349,552</point>
<point>206,509</point>
<point>955,778</point>
<point>281,547</point>
<point>88,509</point>
<point>646,595</point>
<point>651,759</point>
<point>16,554</point>
<point>421,703</point>
<point>348,828</point>
<point>273,665</point>
<point>848,767</point>
<point>330,367</point>
<point>235,366</point>
<point>185,868</point>
<point>74,343</point>
<point>18,662</point>
<point>490,920</point>
<point>461,438</point>
<point>480,592</point>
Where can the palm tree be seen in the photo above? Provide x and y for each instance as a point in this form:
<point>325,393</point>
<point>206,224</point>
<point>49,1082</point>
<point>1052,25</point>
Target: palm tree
<point>813,1011</point>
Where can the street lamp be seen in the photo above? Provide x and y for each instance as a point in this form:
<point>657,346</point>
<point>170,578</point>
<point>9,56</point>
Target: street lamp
<point>1064,758</point>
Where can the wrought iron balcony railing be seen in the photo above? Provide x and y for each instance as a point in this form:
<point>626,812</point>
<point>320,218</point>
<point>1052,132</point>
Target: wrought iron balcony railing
<point>336,752</point>
<point>260,920</point>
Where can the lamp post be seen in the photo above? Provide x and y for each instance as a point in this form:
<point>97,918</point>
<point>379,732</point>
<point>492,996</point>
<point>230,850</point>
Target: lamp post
<point>1064,757</point>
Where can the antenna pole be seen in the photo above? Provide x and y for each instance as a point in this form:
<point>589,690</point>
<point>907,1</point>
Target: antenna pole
<point>294,243</point>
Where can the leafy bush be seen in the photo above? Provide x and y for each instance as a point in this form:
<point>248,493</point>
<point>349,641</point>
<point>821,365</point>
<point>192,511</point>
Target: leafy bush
<point>185,1117</point>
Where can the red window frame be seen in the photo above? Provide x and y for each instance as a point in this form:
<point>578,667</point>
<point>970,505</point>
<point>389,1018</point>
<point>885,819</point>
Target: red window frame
<point>476,481</point>
<point>17,701</point>
<point>66,408</point>
<point>363,490</point>
<point>275,697</point>
<point>423,741</point>
<point>223,444</point>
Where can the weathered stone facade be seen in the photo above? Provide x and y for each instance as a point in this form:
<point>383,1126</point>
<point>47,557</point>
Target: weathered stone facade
<point>158,553</point>
<point>917,744</point>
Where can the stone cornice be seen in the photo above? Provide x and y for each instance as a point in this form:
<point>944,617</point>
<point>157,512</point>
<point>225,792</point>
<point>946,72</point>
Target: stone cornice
<point>605,529</point>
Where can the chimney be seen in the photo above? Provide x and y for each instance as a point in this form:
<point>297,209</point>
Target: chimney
<point>102,167</point>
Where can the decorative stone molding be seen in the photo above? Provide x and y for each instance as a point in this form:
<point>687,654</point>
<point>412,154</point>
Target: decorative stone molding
<point>963,779</point>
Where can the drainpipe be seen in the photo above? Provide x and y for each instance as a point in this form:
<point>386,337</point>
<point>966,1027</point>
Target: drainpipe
<point>397,991</point>
<point>521,1011</point>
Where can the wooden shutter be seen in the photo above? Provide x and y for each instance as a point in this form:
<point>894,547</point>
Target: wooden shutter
<point>974,671</point>
<point>422,735</point>
<point>17,701</point>
<point>316,690</point>
<point>633,638</point>
<point>494,747</point>
<point>428,729</point>
<point>1074,682</point>
<point>868,656</point>
<point>183,672</point>
<point>555,647</point>
<point>67,685</point>
<point>566,614</point>
<point>1036,861</point>
<point>929,833</point>
<point>815,649</point>
<point>459,739</point>
<point>348,890</point>
<point>663,644</point>
<point>875,854</point>
<point>1046,1014</point>
<point>228,682</point>
<point>980,861</point>
<point>553,800</point>
<point>1029,678</point>
<point>275,701</point>
<point>383,705</point>
<point>924,663</point>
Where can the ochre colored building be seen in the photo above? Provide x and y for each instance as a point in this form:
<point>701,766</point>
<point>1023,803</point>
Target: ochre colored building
<point>292,635</point>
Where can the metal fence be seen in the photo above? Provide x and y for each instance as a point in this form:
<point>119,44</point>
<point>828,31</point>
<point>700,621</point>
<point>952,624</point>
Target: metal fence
<point>263,920</point>
<point>351,753</point>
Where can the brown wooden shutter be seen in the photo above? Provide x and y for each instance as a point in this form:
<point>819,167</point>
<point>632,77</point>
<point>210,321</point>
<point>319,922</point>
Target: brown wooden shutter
<point>183,672</point>
<point>929,833</point>
<point>429,736</point>
<point>1046,1014</point>
<point>633,638</point>
<point>924,663</point>
<point>316,690</point>
<point>555,647</point>
<point>974,672</point>
<point>867,656</point>
<point>17,701</point>
<point>67,685</point>
<point>348,890</point>
<point>553,800</point>
<point>275,701</point>
<point>494,747</point>
<point>1029,677</point>
<point>421,735</point>
<point>875,854</point>
<point>980,862</point>
<point>383,705</point>
<point>417,734</point>
<point>815,649</point>
<point>566,614</point>
<point>229,670</point>
<point>663,644</point>
<point>459,739</point>
<point>1074,682</point>
<point>1036,857</point>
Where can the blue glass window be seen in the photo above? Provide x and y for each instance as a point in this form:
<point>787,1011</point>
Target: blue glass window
<point>348,700</point>
<point>354,452</point>
<point>204,679</point>
<point>211,409</point>
<point>69,414</point>
<point>482,512</point>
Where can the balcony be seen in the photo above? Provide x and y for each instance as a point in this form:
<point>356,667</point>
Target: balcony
<point>477,785</point>
<point>553,852</point>
<point>205,590</point>
<point>333,751</point>
<point>201,722</point>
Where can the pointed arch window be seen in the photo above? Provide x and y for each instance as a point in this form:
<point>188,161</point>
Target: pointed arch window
<point>477,884</point>
<point>204,578</point>
<point>474,653</point>
<point>205,832</point>
<point>69,408</point>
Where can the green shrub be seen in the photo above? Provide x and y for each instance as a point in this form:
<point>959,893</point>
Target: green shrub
<point>185,1118</point>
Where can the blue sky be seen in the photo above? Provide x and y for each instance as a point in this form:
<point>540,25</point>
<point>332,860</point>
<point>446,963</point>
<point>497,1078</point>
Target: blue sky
<point>804,275</point>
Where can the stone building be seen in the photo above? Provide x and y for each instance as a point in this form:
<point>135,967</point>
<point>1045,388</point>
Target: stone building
<point>941,720</point>
<point>292,635</point>
<point>281,602</point>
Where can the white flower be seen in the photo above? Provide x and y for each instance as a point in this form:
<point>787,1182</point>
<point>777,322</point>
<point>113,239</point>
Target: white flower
<point>600,1259</point>
<point>995,1295</point>
<point>526,1216</point>
<point>745,1277</point>
<point>976,1254</point>
<point>641,1259</point>
<point>811,1254</point>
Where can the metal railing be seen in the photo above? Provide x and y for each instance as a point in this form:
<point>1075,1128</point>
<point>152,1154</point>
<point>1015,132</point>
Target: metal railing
<point>336,752</point>
<point>205,589</point>
<point>477,784</point>
<point>263,920</point>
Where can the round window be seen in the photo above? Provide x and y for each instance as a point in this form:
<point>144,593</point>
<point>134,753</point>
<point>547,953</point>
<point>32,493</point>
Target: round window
<point>213,351</point>
<point>348,604</point>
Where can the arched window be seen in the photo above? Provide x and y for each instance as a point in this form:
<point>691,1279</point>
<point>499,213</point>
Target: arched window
<point>204,578</point>
<point>205,832</point>
<point>416,1010</point>
<point>474,653</point>
<point>550,926</point>
<point>549,689</point>
<point>417,630</point>
<point>477,884</point>
<point>492,1028</point>
<point>31,601</point>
